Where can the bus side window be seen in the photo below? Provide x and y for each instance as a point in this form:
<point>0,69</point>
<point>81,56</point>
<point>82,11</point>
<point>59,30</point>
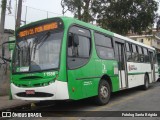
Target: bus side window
<point>79,48</point>
<point>155,58</point>
<point>134,53</point>
<point>141,56</point>
<point>152,58</point>
<point>104,46</point>
<point>129,54</point>
<point>73,42</point>
<point>70,44</point>
<point>146,56</point>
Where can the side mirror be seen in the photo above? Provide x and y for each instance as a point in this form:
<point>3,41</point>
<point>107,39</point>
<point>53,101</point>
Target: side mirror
<point>76,40</point>
<point>3,51</point>
<point>70,41</point>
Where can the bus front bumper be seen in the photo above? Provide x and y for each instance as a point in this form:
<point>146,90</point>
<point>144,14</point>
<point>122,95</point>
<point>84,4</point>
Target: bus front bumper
<point>55,91</point>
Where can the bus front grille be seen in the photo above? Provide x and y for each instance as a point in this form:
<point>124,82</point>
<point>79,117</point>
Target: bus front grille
<point>37,94</point>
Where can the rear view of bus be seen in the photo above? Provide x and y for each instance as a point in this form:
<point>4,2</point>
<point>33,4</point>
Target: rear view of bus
<point>36,62</point>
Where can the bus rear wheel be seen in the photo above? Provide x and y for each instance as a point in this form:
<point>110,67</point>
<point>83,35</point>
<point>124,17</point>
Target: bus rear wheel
<point>104,93</point>
<point>146,82</point>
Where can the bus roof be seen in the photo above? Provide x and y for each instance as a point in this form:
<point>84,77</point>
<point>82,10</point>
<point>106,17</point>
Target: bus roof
<point>70,20</point>
<point>133,41</point>
<point>105,31</point>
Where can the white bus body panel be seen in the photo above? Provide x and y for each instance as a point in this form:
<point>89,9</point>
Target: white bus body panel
<point>156,72</point>
<point>58,88</point>
<point>138,70</point>
<point>122,84</point>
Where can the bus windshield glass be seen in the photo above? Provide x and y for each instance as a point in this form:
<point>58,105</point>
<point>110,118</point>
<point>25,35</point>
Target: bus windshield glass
<point>37,53</point>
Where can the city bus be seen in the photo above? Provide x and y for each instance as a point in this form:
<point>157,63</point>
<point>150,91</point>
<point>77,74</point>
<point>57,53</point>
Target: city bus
<point>63,58</point>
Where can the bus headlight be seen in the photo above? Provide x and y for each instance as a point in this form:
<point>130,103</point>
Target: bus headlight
<point>45,84</point>
<point>51,82</point>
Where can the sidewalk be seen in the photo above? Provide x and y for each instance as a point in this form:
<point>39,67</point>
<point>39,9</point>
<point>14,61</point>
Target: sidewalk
<point>5,103</point>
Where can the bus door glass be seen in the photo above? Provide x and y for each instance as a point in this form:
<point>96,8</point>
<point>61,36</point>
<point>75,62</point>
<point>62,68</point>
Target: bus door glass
<point>120,56</point>
<point>152,65</point>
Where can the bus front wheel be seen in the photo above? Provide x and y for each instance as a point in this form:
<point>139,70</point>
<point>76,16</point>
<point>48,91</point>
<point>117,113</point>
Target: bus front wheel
<point>104,93</point>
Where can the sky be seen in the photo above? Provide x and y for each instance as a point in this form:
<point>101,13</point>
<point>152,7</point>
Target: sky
<point>36,10</point>
<point>48,5</point>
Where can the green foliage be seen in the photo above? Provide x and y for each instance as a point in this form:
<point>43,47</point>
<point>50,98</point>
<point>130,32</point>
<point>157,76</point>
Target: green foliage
<point>4,3</point>
<point>120,16</point>
<point>80,8</point>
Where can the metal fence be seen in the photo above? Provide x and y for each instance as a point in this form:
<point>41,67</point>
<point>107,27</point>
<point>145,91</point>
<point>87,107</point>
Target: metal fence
<point>29,14</point>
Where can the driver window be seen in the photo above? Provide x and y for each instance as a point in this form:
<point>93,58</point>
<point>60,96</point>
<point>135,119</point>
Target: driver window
<point>79,47</point>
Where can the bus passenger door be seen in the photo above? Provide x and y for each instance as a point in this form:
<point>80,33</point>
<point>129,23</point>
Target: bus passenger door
<point>152,79</point>
<point>120,56</point>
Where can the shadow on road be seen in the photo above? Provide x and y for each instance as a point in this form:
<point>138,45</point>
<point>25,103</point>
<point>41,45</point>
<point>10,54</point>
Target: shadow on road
<point>81,105</point>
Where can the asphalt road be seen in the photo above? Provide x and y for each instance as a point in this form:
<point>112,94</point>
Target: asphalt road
<point>128,100</point>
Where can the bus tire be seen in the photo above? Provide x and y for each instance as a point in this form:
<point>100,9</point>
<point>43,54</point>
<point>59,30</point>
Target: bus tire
<point>104,93</point>
<point>146,82</point>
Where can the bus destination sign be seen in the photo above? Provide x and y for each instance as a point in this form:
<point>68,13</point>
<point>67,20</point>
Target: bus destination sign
<point>38,29</point>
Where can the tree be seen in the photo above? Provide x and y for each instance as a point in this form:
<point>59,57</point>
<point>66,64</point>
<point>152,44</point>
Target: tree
<point>80,8</point>
<point>3,11</point>
<point>120,16</point>
<point>19,13</point>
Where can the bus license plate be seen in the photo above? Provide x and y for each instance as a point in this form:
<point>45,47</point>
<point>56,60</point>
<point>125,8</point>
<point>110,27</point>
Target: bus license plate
<point>30,92</point>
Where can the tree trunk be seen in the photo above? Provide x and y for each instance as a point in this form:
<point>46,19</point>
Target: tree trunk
<point>4,68</point>
<point>18,21</point>
<point>3,12</point>
<point>86,15</point>
<point>79,12</point>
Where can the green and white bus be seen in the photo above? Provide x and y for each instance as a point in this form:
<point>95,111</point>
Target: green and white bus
<point>66,59</point>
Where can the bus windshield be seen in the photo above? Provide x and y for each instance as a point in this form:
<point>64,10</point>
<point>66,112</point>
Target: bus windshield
<point>37,53</point>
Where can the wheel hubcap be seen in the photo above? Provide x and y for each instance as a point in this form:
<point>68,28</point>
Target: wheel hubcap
<point>104,92</point>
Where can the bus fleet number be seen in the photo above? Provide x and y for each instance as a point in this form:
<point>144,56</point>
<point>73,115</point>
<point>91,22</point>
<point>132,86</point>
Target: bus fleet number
<point>49,74</point>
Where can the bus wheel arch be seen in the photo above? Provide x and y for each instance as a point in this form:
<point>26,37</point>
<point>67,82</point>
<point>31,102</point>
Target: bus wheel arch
<point>108,79</point>
<point>146,73</point>
<point>104,91</point>
<point>146,81</point>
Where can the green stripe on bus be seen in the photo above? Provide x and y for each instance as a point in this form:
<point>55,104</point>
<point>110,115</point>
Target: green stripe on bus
<point>137,73</point>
